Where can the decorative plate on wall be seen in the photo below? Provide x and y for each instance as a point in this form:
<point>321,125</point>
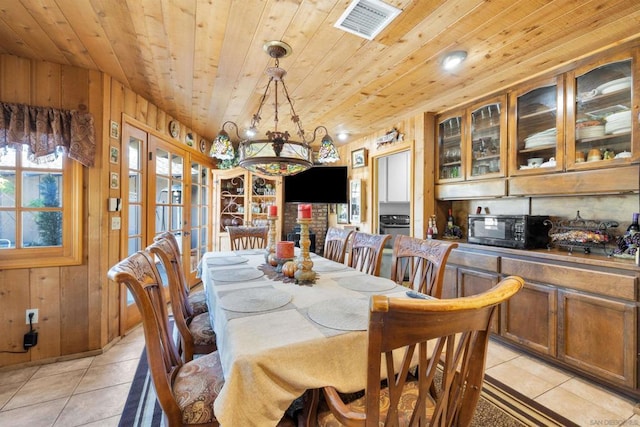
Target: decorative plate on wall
<point>174,128</point>
<point>203,145</point>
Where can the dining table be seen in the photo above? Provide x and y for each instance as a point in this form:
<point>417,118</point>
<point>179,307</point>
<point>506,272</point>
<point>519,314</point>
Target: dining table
<point>276,339</point>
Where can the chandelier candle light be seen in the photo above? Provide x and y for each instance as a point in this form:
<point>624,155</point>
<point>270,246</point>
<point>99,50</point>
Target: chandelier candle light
<point>304,273</point>
<point>277,154</point>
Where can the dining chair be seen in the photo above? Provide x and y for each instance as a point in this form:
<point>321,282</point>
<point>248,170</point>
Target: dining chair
<point>196,332</point>
<point>446,339</point>
<point>419,264</point>
<point>366,252</point>
<point>335,244</point>
<point>196,300</point>
<point>186,391</point>
<point>246,237</point>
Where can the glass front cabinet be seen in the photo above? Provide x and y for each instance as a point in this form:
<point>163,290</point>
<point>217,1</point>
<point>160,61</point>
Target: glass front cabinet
<point>536,128</point>
<point>450,133</point>
<point>602,113</point>
<point>488,139</point>
<point>243,198</point>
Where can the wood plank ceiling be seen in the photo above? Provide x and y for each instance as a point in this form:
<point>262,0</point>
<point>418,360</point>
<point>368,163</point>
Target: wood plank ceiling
<point>202,60</point>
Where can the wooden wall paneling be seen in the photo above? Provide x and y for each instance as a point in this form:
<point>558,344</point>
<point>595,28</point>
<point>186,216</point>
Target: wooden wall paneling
<point>74,310</point>
<point>46,84</point>
<point>152,116</point>
<point>95,208</point>
<point>424,161</point>
<point>14,299</point>
<point>116,102</point>
<point>74,87</point>
<point>16,79</point>
<point>161,121</point>
<point>44,294</point>
<point>142,105</point>
<point>130,102</point>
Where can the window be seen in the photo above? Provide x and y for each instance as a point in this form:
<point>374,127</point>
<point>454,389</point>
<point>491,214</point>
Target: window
<point>40,210</point>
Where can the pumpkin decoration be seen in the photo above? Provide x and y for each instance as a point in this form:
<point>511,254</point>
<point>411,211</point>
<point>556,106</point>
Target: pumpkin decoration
<point>289,268</point>
<point>273,261</point>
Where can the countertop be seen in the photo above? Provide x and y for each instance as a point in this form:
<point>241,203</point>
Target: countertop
<point>557,255</point>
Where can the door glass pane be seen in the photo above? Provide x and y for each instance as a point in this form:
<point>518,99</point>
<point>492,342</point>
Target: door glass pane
<point>603,113</point>
<point>537,132</point>
<point>485,139</point>
<point>450,148</point>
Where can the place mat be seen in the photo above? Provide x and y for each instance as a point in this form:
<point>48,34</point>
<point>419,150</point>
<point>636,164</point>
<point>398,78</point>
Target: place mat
<point>254,300</point>
<point>325,267</point>
<point>226,260</point>
<point>236,274</point>
<point>251,251</point>
<point>367,283</point>
<point>345,314</point>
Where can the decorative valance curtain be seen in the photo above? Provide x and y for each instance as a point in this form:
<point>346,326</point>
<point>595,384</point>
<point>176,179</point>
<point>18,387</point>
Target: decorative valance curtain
<point>48,130</point>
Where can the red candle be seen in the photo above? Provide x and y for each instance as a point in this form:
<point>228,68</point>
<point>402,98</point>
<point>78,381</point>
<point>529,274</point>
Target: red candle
<point>273,210</point>
<point>304,211</point>
<point>284,249</point>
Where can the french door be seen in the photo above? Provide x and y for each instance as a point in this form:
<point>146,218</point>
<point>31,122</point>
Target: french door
<point>168,189</point>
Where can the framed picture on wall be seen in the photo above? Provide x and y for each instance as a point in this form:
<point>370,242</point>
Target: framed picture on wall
<point>359,158</point>
<point>114,155</point>
<point>114,182</point>
<point>342,211</point>
<point>355,201</point>
<point>115,130</point>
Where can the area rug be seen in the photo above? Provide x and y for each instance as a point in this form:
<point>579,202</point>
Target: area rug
<point>499,405</point>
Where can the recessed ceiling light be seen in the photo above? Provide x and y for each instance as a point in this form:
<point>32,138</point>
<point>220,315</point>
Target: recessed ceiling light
<point>453,59</point>
<point>343,136</point>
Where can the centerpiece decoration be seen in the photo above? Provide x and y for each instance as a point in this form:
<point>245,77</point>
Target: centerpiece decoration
<point>284,253</point>
<point>272,217</point>
<point>304,273</point>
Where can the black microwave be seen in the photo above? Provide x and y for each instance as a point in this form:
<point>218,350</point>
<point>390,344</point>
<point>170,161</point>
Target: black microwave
<point>509,231</point>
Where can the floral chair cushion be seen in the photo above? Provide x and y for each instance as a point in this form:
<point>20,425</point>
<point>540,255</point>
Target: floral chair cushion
<point>198,303</point>
<point>197,386</point>
<point>201,330</point>
<point>405,407</point>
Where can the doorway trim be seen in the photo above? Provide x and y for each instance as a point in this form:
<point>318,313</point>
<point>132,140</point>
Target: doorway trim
<point>375,220</point>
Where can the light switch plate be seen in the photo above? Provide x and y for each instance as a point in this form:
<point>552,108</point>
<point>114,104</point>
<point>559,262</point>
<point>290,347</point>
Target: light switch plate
<point>115,223</point>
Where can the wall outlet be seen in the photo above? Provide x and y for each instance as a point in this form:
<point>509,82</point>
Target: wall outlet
<point>115,223</point>
<point>35,315</point>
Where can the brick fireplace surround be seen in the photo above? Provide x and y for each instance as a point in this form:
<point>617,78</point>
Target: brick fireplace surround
<point>320,216</point>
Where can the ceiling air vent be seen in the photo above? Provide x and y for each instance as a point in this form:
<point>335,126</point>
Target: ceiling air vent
<point>366,18</point>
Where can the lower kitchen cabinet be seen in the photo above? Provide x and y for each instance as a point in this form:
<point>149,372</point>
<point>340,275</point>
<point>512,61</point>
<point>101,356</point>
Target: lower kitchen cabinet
<point>580,315</point>
<point>598,335</point>
<point>530,318</point>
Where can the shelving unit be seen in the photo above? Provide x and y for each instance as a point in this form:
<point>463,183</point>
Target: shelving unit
<point>243,198</point>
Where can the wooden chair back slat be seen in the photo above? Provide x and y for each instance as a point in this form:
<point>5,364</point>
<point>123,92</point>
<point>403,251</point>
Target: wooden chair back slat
<point>335,244</point>
<point>242,237</point>
<point>419,264</point>
<point>366,252</point>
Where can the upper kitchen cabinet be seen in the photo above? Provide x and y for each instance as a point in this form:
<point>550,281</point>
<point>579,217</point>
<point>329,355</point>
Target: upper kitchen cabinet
<point>487,146</point>
<point>450,131</point>
<point>601,113</point>
<point>536,128</point>
<point>394,177</point>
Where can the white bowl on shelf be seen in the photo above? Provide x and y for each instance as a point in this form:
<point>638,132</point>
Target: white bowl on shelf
<point>535,162</point>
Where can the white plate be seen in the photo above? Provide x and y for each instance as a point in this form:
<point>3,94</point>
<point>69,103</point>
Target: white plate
<point>614,85</point>
<point>623,155</point>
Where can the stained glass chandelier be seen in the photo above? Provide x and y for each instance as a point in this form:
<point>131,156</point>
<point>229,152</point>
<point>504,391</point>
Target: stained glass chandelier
<point>277,155</point>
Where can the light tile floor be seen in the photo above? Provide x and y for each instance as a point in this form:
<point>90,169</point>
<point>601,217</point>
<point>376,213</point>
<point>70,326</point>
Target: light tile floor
<point>92,391</point>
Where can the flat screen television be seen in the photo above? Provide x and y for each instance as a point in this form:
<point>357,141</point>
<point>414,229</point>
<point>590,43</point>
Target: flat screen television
<point>320,184</point>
